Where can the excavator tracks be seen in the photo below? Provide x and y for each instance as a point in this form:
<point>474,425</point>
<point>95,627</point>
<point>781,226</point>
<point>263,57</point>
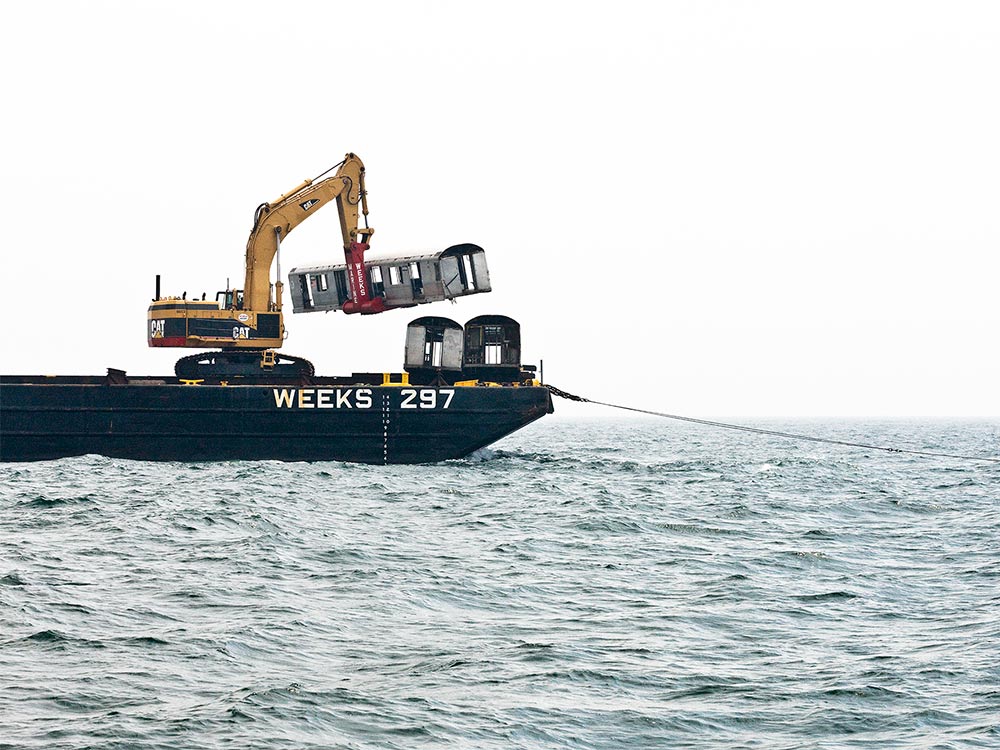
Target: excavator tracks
<point>243,365</point>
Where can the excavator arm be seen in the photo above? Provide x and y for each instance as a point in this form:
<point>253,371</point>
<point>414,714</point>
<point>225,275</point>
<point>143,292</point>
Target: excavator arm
<point>244,327</point>
<point>274,221</point>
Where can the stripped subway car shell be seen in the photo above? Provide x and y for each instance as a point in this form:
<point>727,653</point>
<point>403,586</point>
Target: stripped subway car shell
<point>457,271</point>
<point>434,350</point>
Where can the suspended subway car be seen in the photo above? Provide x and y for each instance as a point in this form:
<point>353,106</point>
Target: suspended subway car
<point>402,282</point>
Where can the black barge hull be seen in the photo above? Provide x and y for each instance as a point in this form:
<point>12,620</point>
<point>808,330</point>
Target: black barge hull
<point>160,419</point>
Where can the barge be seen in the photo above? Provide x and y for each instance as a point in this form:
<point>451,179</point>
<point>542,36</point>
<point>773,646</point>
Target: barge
<point>438,408</point>
<point>328,419</point>
<point>462,388</point>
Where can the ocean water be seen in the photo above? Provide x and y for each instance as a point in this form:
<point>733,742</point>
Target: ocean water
<point>582,584</point>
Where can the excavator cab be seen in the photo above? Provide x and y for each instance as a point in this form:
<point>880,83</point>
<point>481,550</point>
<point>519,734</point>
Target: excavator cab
<point>230,299</point>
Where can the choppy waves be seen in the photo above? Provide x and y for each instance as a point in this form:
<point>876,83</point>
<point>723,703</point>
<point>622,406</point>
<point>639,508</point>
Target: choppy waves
<point>583,584</point>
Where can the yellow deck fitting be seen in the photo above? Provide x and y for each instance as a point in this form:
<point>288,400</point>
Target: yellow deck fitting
<point>387,379</point>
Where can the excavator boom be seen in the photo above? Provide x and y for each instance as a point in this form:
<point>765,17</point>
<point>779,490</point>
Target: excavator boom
<point>274,221</point>
<point>251,318</point>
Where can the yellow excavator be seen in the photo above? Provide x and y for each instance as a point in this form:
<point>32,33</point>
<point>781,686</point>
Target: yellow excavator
<point>247,324</point>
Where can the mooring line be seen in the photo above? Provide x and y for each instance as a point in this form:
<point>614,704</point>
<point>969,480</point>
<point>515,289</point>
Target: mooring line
<point>775,433</point>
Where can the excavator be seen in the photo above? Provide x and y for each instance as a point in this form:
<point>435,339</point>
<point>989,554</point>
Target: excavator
<point>246,324</point>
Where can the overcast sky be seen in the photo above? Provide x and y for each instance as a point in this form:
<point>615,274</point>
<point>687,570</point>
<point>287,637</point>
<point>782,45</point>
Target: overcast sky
<point>708,208</point>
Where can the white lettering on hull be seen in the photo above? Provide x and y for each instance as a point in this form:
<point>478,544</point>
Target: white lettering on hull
<point>358,398</point>
<point>283,397</point>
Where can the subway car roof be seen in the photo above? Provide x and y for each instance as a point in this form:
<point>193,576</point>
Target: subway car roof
<point>393,260</point>
<point>434,320</point>
<point>481,320</point>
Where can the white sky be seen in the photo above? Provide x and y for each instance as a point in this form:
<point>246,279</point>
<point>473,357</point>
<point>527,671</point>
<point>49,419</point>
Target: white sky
<point>708,208</point>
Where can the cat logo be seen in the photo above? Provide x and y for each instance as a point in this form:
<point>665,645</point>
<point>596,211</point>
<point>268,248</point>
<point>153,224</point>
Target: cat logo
<point>309,204</point>
<point>156,329</point>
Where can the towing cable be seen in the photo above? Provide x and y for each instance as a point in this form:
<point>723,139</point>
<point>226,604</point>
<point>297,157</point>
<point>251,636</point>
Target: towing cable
<point>774,433</point>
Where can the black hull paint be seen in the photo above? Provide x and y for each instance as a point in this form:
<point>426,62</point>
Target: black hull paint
<point>157,419</point>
